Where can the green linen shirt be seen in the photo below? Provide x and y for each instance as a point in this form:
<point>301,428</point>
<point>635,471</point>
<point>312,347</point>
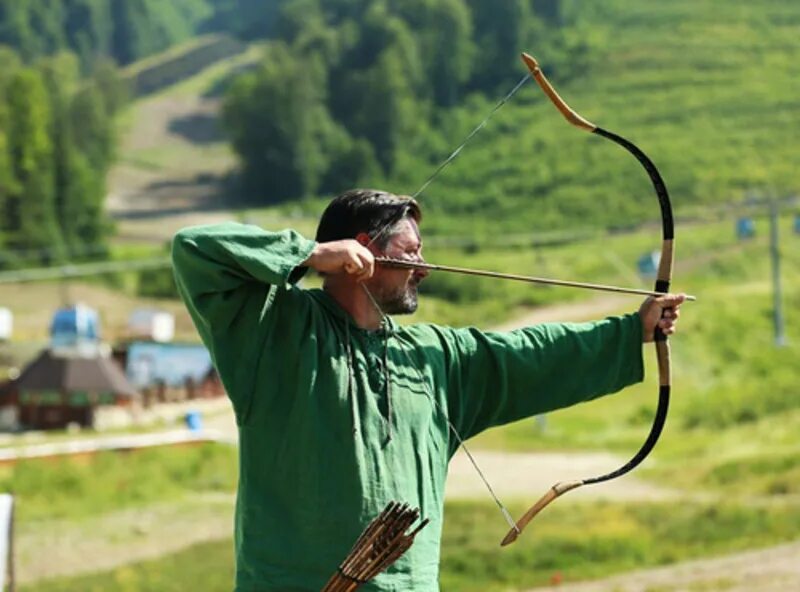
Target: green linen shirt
<point>308,389</point>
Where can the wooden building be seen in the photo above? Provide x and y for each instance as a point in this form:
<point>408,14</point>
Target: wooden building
<point>55,390</point>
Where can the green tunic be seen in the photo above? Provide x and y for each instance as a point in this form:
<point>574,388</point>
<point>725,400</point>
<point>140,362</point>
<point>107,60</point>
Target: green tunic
<point>309,392</point>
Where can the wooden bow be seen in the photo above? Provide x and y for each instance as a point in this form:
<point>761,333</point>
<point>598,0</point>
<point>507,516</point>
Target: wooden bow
<point>663,280</point>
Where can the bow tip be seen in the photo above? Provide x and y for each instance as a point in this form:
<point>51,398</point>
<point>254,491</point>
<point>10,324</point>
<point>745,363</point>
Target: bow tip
<point>530,61</point>
<point>510,537</point>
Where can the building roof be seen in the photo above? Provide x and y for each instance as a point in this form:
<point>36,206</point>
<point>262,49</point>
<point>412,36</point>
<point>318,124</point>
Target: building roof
<point>74,374</point>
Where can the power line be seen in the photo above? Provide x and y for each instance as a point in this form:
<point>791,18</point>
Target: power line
<point>81,269</point>
<point>76,250</point>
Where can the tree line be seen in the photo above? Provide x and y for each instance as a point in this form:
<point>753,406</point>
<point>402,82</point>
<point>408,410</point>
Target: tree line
<point>348,92</point>
<point>346,88</point>
<point>56,145</point>
<point>59,92</point>
<point>125,30</point>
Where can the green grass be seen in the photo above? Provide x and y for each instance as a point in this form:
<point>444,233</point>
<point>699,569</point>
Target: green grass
<point>175,155</point>
<point>589,541</point>
<point>82,487</point>
<point>213,79</point>
<point>206,567</point>
<point>167,55</point>
<point>570,542</point>
<point>707,93</point>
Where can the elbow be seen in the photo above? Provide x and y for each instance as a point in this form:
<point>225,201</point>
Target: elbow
<point>184,243</point>
<point>184,249</point>
<point>180,245</point>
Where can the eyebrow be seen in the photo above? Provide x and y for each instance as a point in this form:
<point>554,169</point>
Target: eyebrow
<point>416,243</point>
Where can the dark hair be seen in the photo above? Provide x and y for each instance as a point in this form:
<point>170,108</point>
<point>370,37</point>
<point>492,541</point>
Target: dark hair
<point>370,211</point>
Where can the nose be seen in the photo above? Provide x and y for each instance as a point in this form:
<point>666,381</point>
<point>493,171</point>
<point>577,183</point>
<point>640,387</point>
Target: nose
<point>420,274</point>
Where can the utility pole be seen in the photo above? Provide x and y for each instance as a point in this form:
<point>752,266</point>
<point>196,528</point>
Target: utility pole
<point>777,297</point>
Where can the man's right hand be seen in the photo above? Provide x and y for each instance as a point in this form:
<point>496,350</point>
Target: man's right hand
<point>342,256</point>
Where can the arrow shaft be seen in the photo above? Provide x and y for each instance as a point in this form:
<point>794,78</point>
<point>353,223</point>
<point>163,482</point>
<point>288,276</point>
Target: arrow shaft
<point>396,263</point>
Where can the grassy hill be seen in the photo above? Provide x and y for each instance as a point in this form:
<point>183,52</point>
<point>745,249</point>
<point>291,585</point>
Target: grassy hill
<point>708,90</point>
<point>711,95</point>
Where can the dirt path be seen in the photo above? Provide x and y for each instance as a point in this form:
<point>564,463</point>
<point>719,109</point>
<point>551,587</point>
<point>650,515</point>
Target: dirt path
<point>172,168</point>
<point>776,569</point>
<point>171,157</point>
<point>59,548</point>
<point>528,475</point>
<point>593,308</point>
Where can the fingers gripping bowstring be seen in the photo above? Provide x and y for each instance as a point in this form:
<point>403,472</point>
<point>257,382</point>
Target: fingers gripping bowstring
<point>384,316</point>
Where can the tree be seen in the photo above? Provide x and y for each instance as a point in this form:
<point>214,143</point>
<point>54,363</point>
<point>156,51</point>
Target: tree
<point>502,31</point>
<point>249,19</point>
<point>60,75</point>
<point>443,29</point>
<point>90,158</point>
<point>115,90</point>
<point>88,28</point>
<point>143,27</point>
<point>15,29</point>
<point>387,108</point>
<point>31,209</point>
<point>375,86</point>
<point>8,184</point>
<point>278,122</point>
<point>92,127</point>
<point>296,17</point>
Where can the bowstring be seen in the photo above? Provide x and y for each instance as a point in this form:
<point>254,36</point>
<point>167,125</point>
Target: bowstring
<point>453,155</point>
<point>469,137</point>
<point>385,318</point>
<point>446,415</point>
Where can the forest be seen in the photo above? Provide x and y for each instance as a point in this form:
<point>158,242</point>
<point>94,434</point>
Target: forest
<point>378,93</point>
<point>345,89</point>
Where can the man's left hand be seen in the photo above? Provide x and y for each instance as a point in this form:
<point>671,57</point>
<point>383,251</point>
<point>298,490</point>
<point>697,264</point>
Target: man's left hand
<point>660,311</point>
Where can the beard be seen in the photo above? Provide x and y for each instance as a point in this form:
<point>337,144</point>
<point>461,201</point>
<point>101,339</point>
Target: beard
<point>402,300</point>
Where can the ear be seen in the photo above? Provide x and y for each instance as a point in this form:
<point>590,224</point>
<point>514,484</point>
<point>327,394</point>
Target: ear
<point>363,238</point>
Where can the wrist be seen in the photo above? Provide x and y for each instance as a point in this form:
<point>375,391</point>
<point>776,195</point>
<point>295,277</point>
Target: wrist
<point>313,258</point>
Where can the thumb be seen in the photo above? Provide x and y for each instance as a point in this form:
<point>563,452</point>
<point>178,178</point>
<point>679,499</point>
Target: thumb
<point>671,300</point>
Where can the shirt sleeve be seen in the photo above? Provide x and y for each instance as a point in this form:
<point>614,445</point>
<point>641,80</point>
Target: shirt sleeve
<point>226,274</point>
<point>497,378</point>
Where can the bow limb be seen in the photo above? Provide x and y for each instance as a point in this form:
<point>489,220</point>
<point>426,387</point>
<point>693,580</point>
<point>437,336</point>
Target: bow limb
<point>664,277</point>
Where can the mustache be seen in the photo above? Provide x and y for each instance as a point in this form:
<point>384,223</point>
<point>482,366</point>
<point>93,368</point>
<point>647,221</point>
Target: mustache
<point>417,278</point>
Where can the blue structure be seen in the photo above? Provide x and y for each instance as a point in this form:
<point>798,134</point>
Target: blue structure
<point>797,223</point>
<point>172,364</point>
<point>74,326</point>
<point>194,421</point>
<point>648,264</point>
<point>745,228</point>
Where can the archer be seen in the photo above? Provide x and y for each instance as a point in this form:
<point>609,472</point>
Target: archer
<point>341,410</point>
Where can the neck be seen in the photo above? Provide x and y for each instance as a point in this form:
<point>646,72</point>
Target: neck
<point>352,297</point>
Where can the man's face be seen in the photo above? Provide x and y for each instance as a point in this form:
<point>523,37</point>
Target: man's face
<point>396,289</point>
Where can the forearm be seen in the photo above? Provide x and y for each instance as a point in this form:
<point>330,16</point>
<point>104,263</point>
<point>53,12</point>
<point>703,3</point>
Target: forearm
<point>217,257</point>
<point>504,377</point>
<point>213,263</point>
